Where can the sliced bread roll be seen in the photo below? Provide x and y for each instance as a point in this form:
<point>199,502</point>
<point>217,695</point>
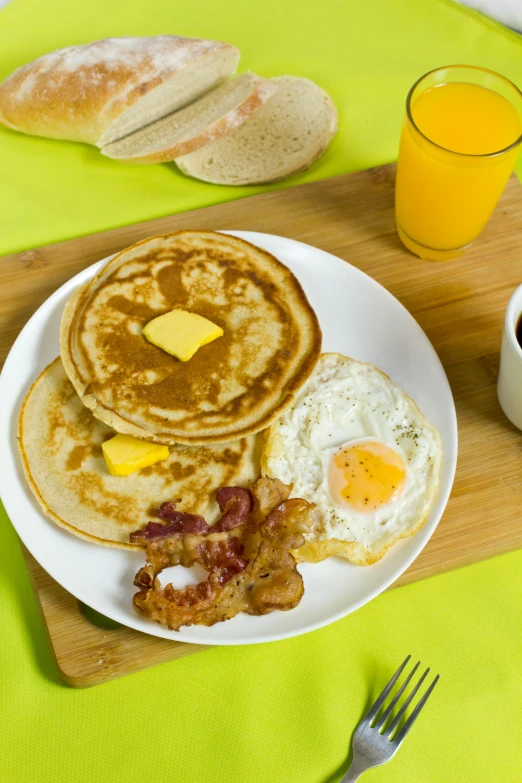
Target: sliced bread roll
<point>102,91</point>
<point>210,117</point>
<point>285,136</point>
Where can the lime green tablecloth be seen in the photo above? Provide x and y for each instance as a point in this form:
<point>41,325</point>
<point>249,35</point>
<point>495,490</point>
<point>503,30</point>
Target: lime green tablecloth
<point>281,712</point>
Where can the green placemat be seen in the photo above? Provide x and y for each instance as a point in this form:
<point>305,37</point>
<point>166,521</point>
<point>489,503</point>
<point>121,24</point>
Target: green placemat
<point>281,712</point>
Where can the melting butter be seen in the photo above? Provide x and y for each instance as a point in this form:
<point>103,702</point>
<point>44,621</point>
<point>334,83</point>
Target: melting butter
<point>181,333</point>
<point>125,454</point>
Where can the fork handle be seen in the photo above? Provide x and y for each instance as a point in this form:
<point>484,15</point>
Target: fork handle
<point>354,772</point>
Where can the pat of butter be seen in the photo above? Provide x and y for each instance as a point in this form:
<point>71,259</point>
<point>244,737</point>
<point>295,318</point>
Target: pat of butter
<point>125,454</point>
<point>181,333</point>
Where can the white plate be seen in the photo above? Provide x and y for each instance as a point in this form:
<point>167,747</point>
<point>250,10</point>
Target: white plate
<point>360,319</point>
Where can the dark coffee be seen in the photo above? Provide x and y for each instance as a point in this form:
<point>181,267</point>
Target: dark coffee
<point>518,330</point>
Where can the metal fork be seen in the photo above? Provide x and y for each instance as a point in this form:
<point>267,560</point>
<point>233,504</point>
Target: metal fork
<point>376,738</point>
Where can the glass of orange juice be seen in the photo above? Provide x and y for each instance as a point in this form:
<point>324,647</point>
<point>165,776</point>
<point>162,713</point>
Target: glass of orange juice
<point>459,143</point>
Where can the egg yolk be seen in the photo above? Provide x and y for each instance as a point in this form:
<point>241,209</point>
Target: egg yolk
<point>366,475</point>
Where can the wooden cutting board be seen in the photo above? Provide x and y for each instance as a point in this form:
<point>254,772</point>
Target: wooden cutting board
<point>459,304</point>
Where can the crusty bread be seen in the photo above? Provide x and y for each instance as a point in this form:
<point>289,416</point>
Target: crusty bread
<point>210,117</point>
<point>104,90</point>
<point>285,136</point>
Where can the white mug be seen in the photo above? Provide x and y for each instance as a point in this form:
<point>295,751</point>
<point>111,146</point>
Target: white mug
<point>510,375</point>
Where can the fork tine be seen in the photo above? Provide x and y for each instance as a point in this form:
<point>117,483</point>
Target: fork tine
<point>395,722</point>
<point>398,695</point>
<point>414,715</point>
<point>376,706</point>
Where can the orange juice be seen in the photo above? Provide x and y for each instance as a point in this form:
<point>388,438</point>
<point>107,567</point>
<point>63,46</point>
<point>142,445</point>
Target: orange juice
<point>453,165</point>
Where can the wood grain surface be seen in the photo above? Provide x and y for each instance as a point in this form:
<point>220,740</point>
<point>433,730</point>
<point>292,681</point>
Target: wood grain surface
<point>460,305</point>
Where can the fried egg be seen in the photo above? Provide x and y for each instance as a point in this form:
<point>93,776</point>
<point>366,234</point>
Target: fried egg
<point>358,447</point>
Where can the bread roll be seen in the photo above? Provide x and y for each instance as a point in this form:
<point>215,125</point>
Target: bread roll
<point>101,91</point>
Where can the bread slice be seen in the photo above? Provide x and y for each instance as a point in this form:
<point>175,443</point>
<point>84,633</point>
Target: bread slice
<point>101,91</point>
<point>214,114</point>
<point>186,85</point>
<point>285,136</point>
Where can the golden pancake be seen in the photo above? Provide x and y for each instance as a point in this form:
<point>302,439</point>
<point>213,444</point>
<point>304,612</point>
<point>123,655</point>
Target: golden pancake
<point>60,445</point>
<point>232,387</point>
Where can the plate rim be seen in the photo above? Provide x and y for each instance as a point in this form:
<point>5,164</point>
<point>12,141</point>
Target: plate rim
<point>444,492</point>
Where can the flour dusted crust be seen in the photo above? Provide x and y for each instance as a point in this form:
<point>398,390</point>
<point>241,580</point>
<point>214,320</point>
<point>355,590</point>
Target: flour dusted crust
<point>77,93</point>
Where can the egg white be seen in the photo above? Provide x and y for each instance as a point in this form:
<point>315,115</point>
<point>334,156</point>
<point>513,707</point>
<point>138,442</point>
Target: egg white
<point>346,402</point>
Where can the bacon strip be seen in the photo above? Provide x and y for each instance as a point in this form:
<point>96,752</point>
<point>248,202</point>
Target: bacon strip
<point>189,523</point>
<point>265,580</point>
<point>224,558</point>
<point>190,595</point>
<point>235,504</point>
<point>180,523</point>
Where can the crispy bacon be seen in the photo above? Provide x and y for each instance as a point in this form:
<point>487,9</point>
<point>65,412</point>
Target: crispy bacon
<point>215,552</point>
<point>149,533</point>
<point>264,580</point>
<point>179,523</point>
<point>224,557</point>
<point>235,504</point>
<point>188,523</point>
<point>190,595</point>
<point>168,511</point>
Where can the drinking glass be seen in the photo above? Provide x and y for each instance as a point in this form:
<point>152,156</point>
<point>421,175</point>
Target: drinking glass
<point>445,197</point>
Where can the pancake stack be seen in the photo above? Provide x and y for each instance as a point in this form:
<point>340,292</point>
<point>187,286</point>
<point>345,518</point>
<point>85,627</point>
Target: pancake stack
<point>209,410</point>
